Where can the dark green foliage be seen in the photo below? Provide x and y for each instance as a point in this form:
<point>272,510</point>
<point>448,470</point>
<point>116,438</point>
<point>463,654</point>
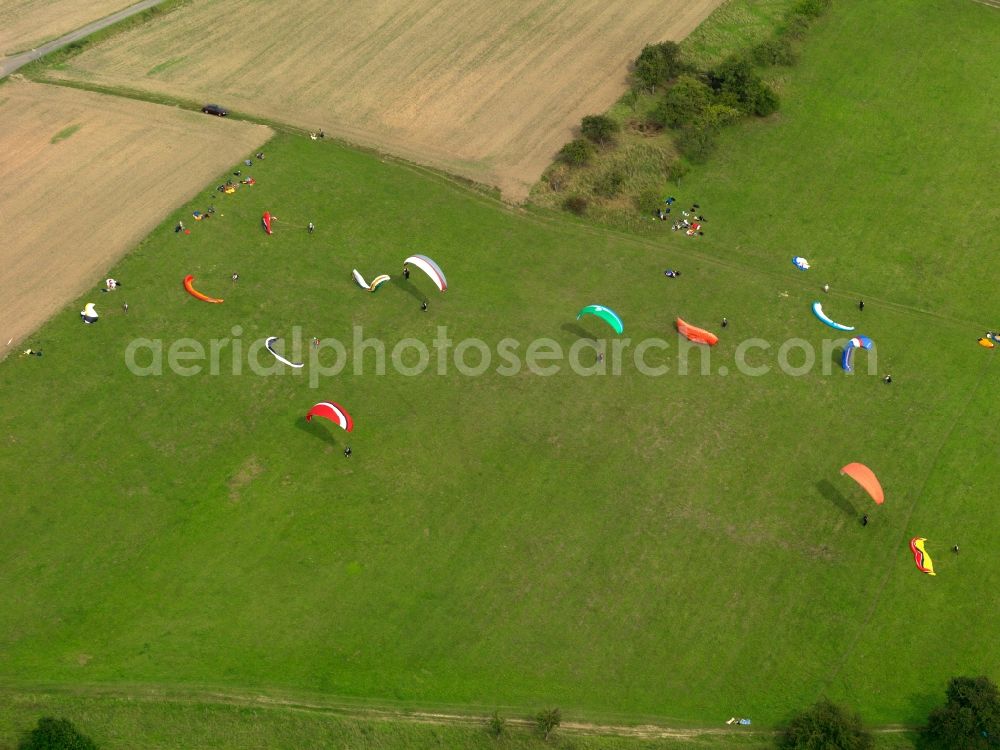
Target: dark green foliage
<point>738,84</point>
<point>548,721</point>
<point>826,726</point>
<point>811,8</point>
<point>657,64</point>
<point>775,51</point>
<point>576,153</point>
<point>795,26</point>
<point>56,734</point>
<point>766,102</point>
<point>648,200</point>
<point>969,720</point>
<point>496,725</point>
<point>682,104</point>
<point>575,204</point>
<point>610,183</point>
<point>677,170</point>
<point>696,142</point>
<point>599,128</point>
<point>631,98</point>
<point>801,16</point>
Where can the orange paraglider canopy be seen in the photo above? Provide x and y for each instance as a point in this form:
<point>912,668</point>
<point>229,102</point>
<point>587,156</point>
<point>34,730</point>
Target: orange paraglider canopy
<point>867,479</point>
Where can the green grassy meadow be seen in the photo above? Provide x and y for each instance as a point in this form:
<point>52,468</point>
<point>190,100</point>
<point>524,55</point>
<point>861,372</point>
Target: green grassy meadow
<point>677,549</point>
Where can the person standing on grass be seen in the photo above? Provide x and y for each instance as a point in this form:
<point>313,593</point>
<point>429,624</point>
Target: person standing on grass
<point>347,452</point>
<point>125,308</point>
<point>861,305</point>
<point>725,322</point>
<point>423,306</point>
<point>311,227</point>
<point>864,520</point>
<point>406,272</point>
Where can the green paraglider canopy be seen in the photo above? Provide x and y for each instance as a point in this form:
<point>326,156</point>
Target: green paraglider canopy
<point>606,314</point>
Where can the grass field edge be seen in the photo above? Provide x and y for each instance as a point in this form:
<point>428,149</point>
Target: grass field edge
<point>387,711</point>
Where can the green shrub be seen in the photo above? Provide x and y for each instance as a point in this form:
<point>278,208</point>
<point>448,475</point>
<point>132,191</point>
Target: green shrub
<point>795,26</point>
<point>610,183</point>
<point>548,721</point>
<point>811,8</point>
<point>696,142</point>
<point>599,128</point>
<point>657,64</point>
<point>575,204</point>
<point>682,104</point>
<point>496,725</point>
<point>765,102</point>
<point>56,734</point>
<point>775,51</point>
<point>969,720</point>
<point>648,199</point>
<point>576,153</point>
<point>826,725</point>
<point>677,170</point>
<point>739,85</point>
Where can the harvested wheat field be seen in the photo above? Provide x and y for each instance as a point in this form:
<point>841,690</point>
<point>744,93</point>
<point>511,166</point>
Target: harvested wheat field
<point>483,89</point>
<point>25,24</point>
<point>85,178</point>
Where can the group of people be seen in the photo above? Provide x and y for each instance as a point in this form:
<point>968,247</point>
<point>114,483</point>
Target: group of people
<point>690,222</point>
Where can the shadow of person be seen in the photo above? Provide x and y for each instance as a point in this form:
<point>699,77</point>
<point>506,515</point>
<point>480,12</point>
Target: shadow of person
<point>831,493</point>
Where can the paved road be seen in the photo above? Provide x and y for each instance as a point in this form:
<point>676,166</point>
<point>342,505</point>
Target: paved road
<point>10,64</point>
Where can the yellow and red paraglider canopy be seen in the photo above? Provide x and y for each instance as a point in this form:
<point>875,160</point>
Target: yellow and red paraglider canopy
<point>867,479</point>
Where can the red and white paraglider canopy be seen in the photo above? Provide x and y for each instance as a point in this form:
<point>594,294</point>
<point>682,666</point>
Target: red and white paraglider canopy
<point>266,221</point>
<point>332,411</point>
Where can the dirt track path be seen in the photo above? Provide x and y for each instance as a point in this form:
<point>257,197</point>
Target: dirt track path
<point>354,709</point>
<point>13,63</point>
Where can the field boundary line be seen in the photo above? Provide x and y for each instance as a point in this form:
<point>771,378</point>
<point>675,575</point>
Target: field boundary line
<point>360,709</point>
<point>364,710</point>
<point>877,598</point>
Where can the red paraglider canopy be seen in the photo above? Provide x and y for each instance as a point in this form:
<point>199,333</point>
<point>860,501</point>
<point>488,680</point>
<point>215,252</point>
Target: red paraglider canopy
<point>332,411</point>
<point>867,479</point>
<point>266,221</point>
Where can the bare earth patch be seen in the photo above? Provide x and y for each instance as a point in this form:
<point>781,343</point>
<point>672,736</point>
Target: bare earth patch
<point>482,89</point>
<point>85,177</point>
<point>25,24</point>
<point>247,472</point>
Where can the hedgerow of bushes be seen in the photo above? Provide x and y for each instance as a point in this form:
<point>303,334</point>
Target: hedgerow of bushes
<point>689,104</point>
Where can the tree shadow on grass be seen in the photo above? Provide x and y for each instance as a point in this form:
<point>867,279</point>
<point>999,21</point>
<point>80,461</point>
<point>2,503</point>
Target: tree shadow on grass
<point>831,493</point>
<point>318,431</point>
<point>577,331</point>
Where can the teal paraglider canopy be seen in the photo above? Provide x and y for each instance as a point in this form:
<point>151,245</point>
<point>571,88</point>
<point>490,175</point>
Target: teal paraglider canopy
<point>606,314</point>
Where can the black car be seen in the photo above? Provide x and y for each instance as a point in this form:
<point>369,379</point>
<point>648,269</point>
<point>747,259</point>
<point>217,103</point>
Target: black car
<point>215,109</point>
